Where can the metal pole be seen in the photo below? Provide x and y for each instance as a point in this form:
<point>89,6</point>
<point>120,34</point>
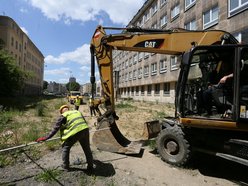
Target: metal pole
<point>25,145</point>
<point>35,143</point>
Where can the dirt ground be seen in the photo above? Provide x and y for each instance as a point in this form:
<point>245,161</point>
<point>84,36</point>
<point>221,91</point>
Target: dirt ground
<point>118,169</point>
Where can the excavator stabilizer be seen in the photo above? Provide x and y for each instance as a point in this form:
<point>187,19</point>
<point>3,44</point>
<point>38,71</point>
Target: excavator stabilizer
<point>109,138</point>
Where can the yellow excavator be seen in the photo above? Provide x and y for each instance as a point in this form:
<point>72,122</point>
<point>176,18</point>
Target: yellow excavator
<point>211,112</point>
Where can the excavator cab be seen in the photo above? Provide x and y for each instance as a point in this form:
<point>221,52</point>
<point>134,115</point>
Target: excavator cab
<point>201,91</point>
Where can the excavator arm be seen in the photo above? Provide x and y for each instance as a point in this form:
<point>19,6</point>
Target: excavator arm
<point>171,42</point>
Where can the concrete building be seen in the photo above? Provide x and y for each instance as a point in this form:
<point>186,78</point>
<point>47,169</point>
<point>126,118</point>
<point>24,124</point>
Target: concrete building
<point>152,77</point>
<point>86,88</point>
<point>72,80</point>
<point>27,55</point>
<point>98,88</point>
<point>56,88</point>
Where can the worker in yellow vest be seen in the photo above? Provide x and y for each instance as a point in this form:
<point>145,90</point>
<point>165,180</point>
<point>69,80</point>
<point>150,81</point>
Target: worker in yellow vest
<point>91,106</point>
<point>73,128</point>
<point>77,102</point>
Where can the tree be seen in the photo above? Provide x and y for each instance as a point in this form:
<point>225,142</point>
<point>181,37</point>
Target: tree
<point>12,77</point>
<point>72,86</point>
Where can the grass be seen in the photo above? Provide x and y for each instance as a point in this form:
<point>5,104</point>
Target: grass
<point>123,105</point>
<point>86,180</point>
<point>152,143</point>
<point>159,115</point>
<point>5,160</point>
<point>48,176</point>
<point>40,109</point>
<point>24,119</point>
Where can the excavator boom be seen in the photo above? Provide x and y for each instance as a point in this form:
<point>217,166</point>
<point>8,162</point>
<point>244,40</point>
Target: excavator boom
<point>172,42</point>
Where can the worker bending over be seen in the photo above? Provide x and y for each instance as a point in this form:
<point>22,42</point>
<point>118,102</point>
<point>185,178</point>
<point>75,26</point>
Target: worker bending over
<point>94,106</point>
<point>73,128</point>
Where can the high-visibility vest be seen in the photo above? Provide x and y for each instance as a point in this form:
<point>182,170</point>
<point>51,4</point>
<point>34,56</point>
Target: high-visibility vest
<point>77,102</point>
<point>74,124</point>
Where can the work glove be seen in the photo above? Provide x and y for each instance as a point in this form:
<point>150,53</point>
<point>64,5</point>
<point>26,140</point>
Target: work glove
<point>41,139</point>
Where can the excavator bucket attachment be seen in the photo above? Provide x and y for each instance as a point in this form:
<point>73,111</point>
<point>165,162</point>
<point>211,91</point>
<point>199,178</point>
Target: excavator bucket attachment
<point>109,138</point>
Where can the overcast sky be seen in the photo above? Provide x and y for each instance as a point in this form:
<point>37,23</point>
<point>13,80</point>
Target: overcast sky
<point>62,30</point>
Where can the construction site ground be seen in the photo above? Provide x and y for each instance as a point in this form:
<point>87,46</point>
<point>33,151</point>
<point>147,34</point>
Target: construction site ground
<point>111,169</point>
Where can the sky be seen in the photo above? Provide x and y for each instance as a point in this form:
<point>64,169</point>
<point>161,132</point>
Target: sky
<point>62,30</point>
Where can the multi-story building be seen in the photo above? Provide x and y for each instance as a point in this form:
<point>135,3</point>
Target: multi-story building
<point>152,77</point>
<point>28,57</point>
<point>86,88</point>
<point>56,88</point>
<point>72,79</point>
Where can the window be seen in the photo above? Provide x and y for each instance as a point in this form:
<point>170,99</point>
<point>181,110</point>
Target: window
<point>166,90</point>
<point>189,3</point>
<point>157,89</point>
<point>131,61</point>
<point>154,8</point>
<point>126,63</point>
<point>142,90</point>
<point>162,2</point>
<point>163,21</point>
<point>190,25</point>
<point>210,17</point>
<point>140,56</point>
<point>16,45</point>
<point>236,6</point>
<point>135,58</point>
<point>134,74</point>
<point>146,71</point>
<point>146,16</point>
<point>153,69</point>
<point>238,36</point>
<point>162,66</point>
<point>149,89</point>
<point>174,63</point>
<point>175,12</point>
<point>140,72</point>
<point>130,76</point>
<point>154,25</point>
<point>126,77</point>
<point>146,55</point>
<point>132,91</point>
<point>137,90</point>
<point>12,41</point>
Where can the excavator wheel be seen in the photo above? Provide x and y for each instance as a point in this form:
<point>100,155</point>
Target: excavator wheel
<point>173,147</point>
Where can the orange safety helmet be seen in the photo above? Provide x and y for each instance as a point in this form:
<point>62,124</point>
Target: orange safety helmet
<point>62,107</point>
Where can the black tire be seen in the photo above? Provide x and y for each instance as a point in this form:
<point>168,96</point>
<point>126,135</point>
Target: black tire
<point>173,147</point>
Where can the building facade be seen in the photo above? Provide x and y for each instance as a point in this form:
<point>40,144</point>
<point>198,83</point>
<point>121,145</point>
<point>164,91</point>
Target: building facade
<point>56,88</point>
<point>153,77</point>
<point>86,88</point>
<point>28,57</point>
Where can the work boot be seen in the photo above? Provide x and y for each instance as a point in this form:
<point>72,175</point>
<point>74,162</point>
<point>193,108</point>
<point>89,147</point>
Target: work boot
<point>65,167</point>
<point>90,170</point>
